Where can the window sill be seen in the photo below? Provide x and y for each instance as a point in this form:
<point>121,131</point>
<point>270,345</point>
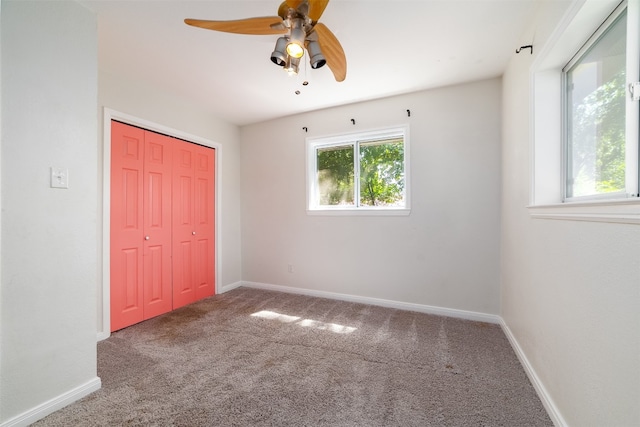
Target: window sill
<point>625,211</point>
<point>359,212</point>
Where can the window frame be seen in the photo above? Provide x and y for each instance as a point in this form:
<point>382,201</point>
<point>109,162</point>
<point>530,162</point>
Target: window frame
<point>353,139</point>
<point>632,178</point>
<point>546,190</point>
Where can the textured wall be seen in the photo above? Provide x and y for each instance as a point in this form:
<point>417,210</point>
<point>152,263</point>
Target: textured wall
<point>48,256</point>
<point>570,290</point>
<point>445,253</point>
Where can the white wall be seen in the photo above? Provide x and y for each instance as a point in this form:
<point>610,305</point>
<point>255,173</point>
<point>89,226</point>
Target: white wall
<point>570,290</point>
<point>48,255</point>
<point>446,253</point>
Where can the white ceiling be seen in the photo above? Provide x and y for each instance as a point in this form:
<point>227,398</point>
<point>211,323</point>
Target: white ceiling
<point>392,47</point>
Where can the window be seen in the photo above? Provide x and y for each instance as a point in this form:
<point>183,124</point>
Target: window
<point>600,120</point>
<point>358,172</point>
<point>583,50</point>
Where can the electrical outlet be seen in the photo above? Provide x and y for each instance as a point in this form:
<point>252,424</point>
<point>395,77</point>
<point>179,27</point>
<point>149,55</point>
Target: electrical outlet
<point>59,177</point>
<point>290,268</point>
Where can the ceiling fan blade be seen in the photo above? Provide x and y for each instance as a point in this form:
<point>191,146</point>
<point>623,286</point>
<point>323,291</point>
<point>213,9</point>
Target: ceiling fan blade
<point>316,8</point>
<point>283,9</point>
<point>293,4</point>
<point>332,51</point>
<point>255,26</point>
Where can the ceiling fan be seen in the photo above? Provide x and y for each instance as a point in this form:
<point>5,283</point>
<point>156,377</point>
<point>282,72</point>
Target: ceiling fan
<point>297,22</point>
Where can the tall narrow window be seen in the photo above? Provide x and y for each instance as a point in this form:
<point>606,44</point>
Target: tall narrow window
<point>366,171</point>
<point>600,153</point>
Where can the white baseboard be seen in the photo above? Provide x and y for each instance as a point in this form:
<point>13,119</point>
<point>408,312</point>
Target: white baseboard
<point>103,335</point>
<point>544,396</point>
<point>428,309</point>
<point>229,287</point>
<point>50,406</point>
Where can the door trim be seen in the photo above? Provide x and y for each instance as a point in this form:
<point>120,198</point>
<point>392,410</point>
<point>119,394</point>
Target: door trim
<point>104,330</point>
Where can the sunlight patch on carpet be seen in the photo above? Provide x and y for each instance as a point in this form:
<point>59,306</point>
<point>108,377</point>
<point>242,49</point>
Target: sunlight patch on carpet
<point>307,323</point>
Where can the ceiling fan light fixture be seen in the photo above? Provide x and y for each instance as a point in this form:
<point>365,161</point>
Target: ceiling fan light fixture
<point>279,56</point>
<point>316,58</point>
<point>295,47</point>
<point>292,66</point>
<point>295,50</point>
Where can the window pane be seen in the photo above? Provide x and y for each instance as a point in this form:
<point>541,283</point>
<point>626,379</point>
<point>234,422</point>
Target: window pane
<point>335,176</point>
<point>382,173</point>
<point>596,116</point>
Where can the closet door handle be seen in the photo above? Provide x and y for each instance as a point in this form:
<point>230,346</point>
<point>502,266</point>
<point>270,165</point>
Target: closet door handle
<point>146,237</point>
<point>193,232</point>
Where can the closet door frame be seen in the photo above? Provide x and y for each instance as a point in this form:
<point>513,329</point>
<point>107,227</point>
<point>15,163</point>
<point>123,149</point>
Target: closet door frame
<point>104,329</point>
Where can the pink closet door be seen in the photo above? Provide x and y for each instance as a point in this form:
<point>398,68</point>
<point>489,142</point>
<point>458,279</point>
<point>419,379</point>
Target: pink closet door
<point>127,229</point>
<point>158,297</point>
<point>140,225</point>
<point>204,221</point>
<point>193,219</point>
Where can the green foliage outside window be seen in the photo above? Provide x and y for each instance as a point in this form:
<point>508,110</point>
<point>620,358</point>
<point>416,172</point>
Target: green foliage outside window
<point>381,173</point>
<point>596,115</point>
<point>381,181</point>
<point>604,111</point>
<point>336,175</point>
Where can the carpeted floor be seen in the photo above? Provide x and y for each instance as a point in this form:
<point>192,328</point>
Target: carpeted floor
<point>259,358</point>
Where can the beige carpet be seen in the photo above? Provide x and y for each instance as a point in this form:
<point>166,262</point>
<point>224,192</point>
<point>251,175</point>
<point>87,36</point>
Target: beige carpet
<point>258,358</point>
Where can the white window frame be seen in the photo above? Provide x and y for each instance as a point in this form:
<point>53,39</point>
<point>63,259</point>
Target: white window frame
<point>548,180</point>
<point>313,143</point>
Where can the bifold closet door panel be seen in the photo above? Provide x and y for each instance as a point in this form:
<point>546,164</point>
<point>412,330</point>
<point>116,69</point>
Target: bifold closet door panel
<point>193,223</point>
<point>204,221</point>
<point>158,297</point>
<point>140,225</point>
<point>126,236</point>
<point>184,229</point>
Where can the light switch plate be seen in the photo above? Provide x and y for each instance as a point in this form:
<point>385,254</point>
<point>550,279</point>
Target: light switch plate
<point>59,177</point>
